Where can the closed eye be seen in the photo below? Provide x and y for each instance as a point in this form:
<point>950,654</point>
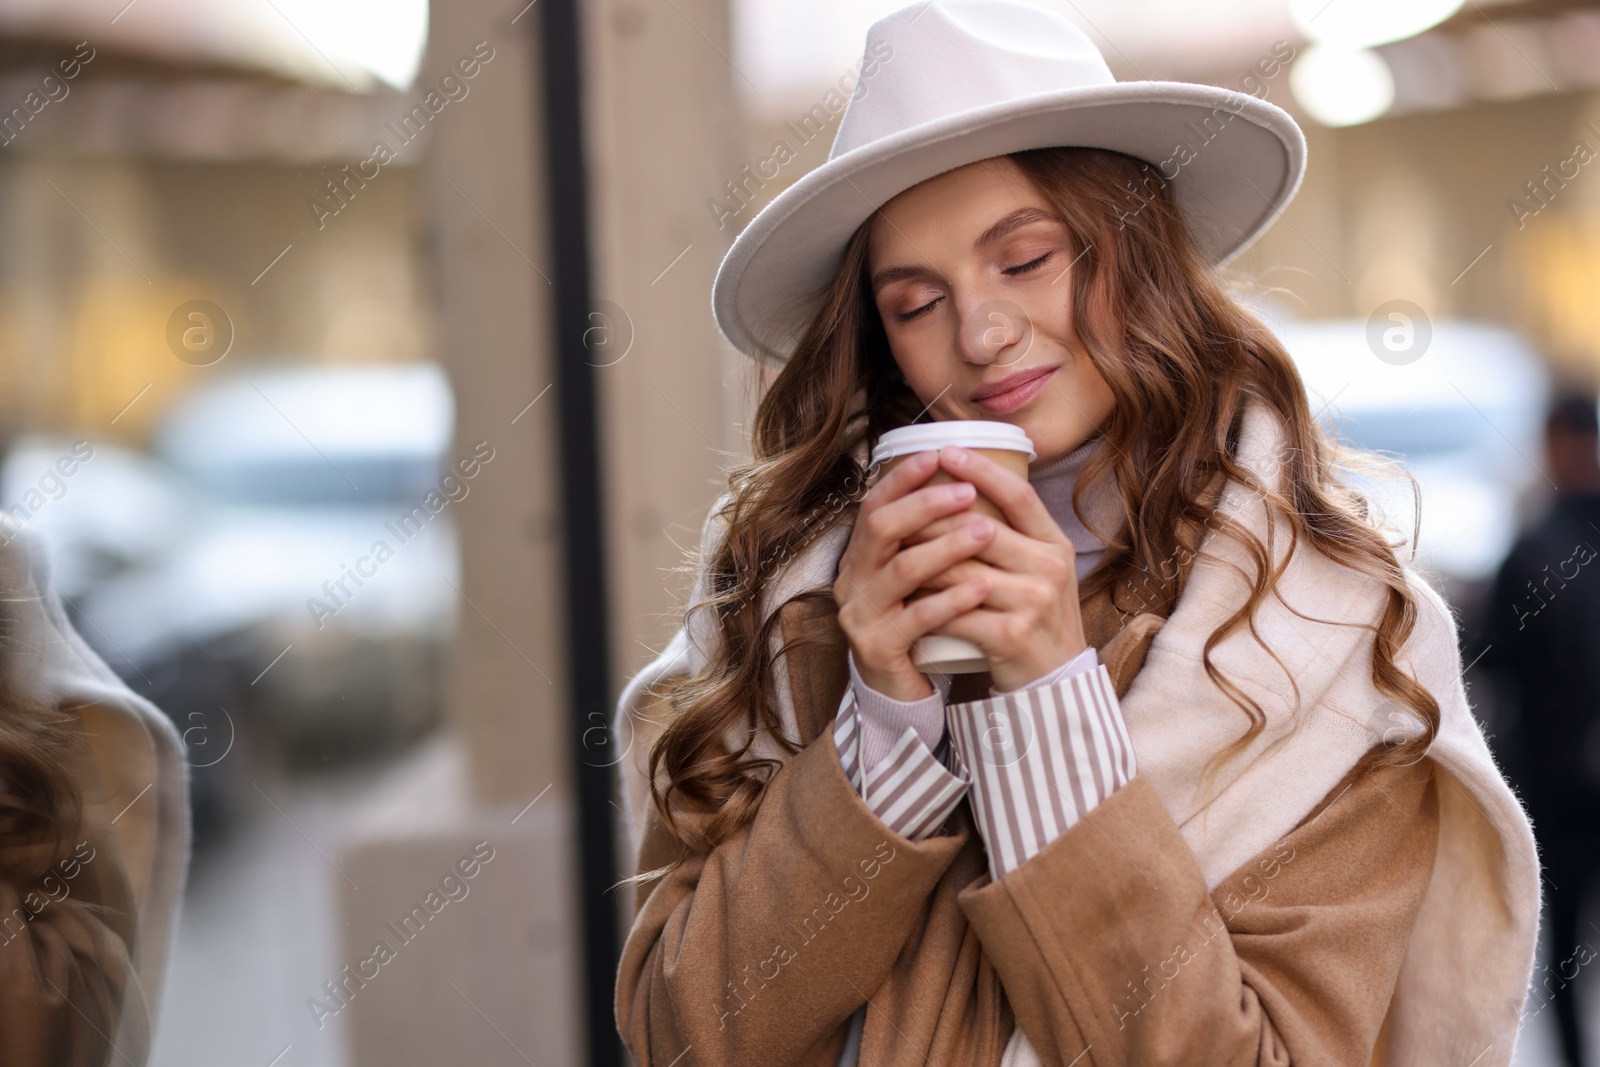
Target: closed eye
<point>919,312</point>
<point>1026,267</point>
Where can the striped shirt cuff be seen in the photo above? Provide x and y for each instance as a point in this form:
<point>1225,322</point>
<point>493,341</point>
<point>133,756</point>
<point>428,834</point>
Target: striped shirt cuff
<point>909,789</point>
<point>1039,759</point>
<point>1084,661</point>
<point>884,719</point>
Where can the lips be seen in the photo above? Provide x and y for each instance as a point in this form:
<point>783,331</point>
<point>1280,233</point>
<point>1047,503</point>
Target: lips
<point>1012,392</point>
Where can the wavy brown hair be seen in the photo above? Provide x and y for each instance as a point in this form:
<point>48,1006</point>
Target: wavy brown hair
<point>41,806</point>
<point>1181,357</point>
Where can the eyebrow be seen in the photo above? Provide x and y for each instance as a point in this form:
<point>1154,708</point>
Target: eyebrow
<point>1015,220</point>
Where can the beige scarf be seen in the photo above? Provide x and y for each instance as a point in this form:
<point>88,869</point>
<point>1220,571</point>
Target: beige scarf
<point>1461,987</point>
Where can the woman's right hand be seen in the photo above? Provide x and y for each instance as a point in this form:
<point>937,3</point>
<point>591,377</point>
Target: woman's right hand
<point>877,573</point>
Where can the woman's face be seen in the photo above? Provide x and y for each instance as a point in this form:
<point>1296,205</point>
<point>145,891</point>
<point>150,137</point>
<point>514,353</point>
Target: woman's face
<point>972,275</point>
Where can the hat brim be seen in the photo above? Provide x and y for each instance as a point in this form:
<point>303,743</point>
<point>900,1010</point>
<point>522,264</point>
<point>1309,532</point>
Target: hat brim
<point>1241,170</point>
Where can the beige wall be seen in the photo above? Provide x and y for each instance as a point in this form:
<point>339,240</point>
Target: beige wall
<point>664,135</point>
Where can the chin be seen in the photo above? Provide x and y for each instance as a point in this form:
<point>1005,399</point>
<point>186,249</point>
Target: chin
<point>1060,438</point>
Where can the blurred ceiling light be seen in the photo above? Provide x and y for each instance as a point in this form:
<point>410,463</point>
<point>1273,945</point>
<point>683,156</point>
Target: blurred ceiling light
<point>385,37</point>
<point>1341,86</point>
<point>1364,23</point>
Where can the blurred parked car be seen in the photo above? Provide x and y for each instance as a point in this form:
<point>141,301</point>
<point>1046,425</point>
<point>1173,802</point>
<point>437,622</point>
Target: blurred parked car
<point>297,474</point>
<point>1465,419</point>
<point>99,507</point>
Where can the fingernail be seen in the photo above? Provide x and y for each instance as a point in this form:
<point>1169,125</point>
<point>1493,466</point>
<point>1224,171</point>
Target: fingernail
<point>958,455</point>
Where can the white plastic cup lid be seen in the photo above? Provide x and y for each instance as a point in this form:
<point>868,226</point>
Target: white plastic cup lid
<point>968,433</point>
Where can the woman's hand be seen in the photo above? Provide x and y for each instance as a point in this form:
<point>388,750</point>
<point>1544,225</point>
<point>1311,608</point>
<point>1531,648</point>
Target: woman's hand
<point>1029,623</point>
<point>877,572</point>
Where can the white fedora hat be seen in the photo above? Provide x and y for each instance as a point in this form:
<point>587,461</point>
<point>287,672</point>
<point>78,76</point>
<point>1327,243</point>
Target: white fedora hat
<point>957,81</point>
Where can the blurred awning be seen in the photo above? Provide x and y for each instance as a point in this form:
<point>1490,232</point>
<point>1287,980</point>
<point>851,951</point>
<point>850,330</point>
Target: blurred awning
<point>785,50</point>
<point>352,45</point>
<point>283,81</point>
<point>788,52</point>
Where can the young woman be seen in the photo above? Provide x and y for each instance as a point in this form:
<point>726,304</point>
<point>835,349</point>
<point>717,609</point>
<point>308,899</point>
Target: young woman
<point>1219,798</point>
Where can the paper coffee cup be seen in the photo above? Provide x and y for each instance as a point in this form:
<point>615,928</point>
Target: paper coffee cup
<point>1002,442</point>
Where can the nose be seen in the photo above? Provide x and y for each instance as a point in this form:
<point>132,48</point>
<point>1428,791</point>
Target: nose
<point>995,332</point>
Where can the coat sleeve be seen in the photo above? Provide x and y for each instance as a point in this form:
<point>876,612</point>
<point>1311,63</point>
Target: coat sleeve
<point>1112,951</point>
<point>760,950</point>
<point>906,786</point>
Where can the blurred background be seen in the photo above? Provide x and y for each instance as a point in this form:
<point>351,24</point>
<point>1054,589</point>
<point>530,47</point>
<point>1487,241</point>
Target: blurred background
<point>359,373</point>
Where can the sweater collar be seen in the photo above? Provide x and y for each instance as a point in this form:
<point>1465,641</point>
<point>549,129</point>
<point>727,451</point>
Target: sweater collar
<point>1054,482</point>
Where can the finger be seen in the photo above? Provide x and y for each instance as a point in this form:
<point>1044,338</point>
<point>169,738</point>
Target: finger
<point>939,527</point>
<point>910,568</point>
<point>877,624</point>
<point>1009,492</point>
<point>1020,554</point>
<point>891,633</point>
<point>955,574</point>
<point>869,597</point>
<point>1024,593</point>
<point>982,626</point>
<point>888,525</point>
<point>1007,591</point>
<point>902,478</point>
<point>1000,632</point>
<point>966,570</point>
<point>928,613</point>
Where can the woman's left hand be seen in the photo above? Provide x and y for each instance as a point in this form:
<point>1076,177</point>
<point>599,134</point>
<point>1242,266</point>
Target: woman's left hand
<point>1030,623</point>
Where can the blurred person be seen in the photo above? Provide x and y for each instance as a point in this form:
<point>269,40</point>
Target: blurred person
<point>1203,806</point>
<point>1542,660</point>
<point>93,837</point>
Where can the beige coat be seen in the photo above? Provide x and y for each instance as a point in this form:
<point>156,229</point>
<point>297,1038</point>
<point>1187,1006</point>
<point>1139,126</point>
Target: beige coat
<point>1346,917</point>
